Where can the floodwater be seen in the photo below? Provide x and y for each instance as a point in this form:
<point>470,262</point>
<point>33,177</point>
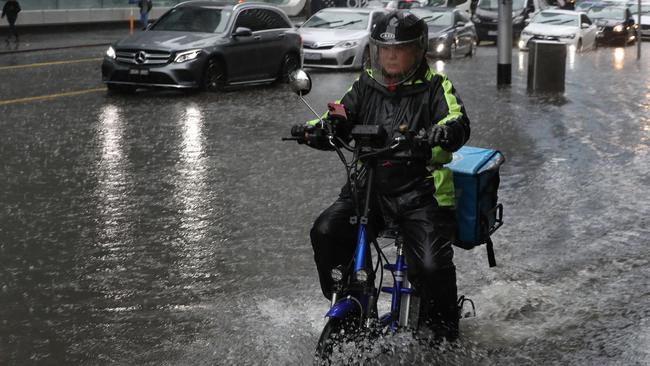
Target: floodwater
<point>172,229</point>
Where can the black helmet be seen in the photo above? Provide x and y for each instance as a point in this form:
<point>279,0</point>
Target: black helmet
<point>397,31</point>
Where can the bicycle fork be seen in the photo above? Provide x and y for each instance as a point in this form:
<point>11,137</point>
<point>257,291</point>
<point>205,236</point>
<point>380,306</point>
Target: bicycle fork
<point>401,291</point>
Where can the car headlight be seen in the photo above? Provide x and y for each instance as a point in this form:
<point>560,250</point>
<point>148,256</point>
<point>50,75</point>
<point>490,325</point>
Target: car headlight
<point>110,52</point>
<point>618,28</point>
<point>187,56</point>
<point>569,36</point>
<point>347,44</point>
<point>440,47</point>
<point>526,33</point>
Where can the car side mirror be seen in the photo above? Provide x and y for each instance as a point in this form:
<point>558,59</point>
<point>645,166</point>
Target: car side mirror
<point>299,24</point>
<point>584,25</point>
<point>149,25</point>
<point>300,82</point>
<point>527,20</point>
<point>242,32</point>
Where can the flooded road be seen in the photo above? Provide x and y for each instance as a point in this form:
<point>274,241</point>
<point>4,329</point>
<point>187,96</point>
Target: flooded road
<point>172,229</point>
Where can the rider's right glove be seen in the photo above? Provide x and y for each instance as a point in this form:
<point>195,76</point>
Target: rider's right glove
<point>439,135</point>
<point>300,131</point>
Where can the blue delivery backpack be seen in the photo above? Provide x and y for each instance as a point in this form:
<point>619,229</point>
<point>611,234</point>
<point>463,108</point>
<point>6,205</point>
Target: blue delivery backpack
<point>476,182</point>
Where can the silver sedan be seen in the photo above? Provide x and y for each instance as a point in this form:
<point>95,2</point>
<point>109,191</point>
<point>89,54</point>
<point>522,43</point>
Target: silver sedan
<point>337,38</point>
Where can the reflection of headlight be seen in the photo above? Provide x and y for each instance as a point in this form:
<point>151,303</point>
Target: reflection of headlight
<point>187,56</point>
<point>518,19</point>
<point>526,33</point>
<point>347,44</point>
<point>569,36</point>
<point>618,28</point>
<point>440,47</point>
<point>110,52</point>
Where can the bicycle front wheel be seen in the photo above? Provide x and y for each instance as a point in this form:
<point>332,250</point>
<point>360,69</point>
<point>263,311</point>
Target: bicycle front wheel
<point>336,332</point>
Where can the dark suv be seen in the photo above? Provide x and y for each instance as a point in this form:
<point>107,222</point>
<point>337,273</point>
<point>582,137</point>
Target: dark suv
<point>206,44</point>
<point>486,17</point>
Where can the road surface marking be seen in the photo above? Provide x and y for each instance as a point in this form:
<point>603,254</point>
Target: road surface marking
<point>50,63</point>
<point>50,96</point>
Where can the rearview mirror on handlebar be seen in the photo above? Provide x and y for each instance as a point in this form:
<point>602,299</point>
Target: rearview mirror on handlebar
<point>300,82</point>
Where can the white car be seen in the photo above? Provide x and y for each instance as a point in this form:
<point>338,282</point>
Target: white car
<point>337,38</point>
<point>570,27</point>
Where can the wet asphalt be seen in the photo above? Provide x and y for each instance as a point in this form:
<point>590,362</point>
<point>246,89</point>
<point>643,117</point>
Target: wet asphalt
<point>167,228</point>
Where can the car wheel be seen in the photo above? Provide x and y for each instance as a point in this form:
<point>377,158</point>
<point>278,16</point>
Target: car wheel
<point>472,48</point>
<point>365,59</point>
<point>120,89</point>
<point>214,76</point>
<point>290,63</point>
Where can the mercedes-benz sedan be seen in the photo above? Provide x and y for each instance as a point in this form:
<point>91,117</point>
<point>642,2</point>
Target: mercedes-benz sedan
<point>205,44</point>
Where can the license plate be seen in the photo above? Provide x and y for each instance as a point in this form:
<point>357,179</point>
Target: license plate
<point>492,33</point>
<point>313,56</point>
<point>139,72</point>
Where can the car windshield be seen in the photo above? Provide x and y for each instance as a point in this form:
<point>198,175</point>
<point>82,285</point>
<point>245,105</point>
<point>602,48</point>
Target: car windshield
<point>194,19</point>
<point>435,18</point>
<point>338,20</point>
<point>494,4</point>
<point>606,13</point>
<point>555,18</point>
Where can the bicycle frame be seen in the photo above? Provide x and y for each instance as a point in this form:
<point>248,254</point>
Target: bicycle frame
<point>363,300</point>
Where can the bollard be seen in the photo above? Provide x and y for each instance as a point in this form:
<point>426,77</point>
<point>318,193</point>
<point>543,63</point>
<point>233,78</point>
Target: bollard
<point>546,66</point>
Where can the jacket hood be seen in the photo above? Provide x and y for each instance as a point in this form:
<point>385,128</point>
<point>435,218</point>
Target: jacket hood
<point>168,40</point>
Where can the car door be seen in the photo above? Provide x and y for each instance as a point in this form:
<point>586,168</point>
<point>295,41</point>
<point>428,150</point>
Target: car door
<point>588,34</point>
<point>242,53</point>
<point>273,41</point>
<point>462,33</point>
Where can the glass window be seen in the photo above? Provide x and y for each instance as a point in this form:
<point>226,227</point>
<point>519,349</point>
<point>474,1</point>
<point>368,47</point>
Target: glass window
<point>337,20</point>
<point>549,17</point>
<point>251,19</point>
<point>272,19</point>
<point>598,12</point>
<point>435,18</point>
<point>585,19</point>
<point>194,19</point>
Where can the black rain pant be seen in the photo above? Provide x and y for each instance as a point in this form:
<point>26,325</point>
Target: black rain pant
<point>427,230</point>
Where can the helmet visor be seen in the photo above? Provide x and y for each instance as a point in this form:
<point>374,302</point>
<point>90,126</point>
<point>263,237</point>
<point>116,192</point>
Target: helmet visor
<point>396,62</point>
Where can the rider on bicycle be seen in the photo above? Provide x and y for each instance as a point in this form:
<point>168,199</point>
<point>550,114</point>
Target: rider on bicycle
<point>415,194</point>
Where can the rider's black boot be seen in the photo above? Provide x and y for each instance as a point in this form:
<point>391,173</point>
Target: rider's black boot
<point>439,312</point>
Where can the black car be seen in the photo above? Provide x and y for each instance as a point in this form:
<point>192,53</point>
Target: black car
<point>208,45</point>
<point>615,24</point>
<point>486,17</point>
<point>451,32</point>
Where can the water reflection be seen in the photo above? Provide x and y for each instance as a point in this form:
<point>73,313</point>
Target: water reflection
<point>112,181</point>
<point>192,185</point>
<point>520,61</point>
<point>571,56</point>
<point>619,58</point>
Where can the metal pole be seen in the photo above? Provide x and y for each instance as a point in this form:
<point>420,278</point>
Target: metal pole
<point>638,33</point>
<point>504,43</point>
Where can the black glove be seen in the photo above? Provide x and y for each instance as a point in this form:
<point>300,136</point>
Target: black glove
<point>439,135</point>
<point>300,132</point>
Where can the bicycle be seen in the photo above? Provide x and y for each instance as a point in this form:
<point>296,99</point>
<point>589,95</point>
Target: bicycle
<point>353,311</point>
